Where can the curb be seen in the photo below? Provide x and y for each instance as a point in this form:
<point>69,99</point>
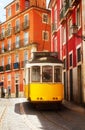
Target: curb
<point>73,107</point>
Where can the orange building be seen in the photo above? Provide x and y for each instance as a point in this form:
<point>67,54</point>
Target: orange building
<point>26,29</point>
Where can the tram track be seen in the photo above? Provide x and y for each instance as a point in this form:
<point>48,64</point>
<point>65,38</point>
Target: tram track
<point>27,122</point>
<point>57,124</point>
<point>3,112</point>
<point>43,116</point>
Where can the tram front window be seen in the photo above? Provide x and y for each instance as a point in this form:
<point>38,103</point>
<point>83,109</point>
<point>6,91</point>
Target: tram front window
<point>35,74</point>
<point>57,74</point>
<point>46,74</point>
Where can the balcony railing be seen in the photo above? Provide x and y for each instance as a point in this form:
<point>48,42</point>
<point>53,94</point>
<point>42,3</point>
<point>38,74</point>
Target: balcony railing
<point>75,2</point>
<point>16,29</point>
<point>8,32</point>
<point>16,65</point>
<point>65,10</point>
<point>25,25</point>
<point>1,68</point>
<point>13,30</point>
<point>8,67</point>
<point>2,36</point>
<point>14,46</point>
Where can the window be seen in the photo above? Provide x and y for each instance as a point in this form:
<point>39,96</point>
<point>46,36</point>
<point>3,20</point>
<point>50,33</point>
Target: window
<point>26,38</point>
<point>9,77</point>
<point>26,19</point>
<point>64,63</point>
<point>55,17</point>
<point>55,44</point>
<point>45,35</point>
<point>8,31</point>
<point>78,54</point>
<point>17,76</point>
<point>45,18</point>
<point>57,74</point>
<point>17,24</point>
<point>2,32</point>
<point>64,35</point>
<point>70,60</point>
<point>35,74</point>
<point>27,4</point>
<point>16,58</point>
<point>9,11</point>
<point>2,48</point>
<point>2,61</point>
<point>78,18</point>
<point>69,27</point>
<point>17,41</point>
<point>9,59</point>
<point>25,56</point>
<point>2,77</point>
<point>47,74</point>
<point>17,6</point>
<point>9,44</point>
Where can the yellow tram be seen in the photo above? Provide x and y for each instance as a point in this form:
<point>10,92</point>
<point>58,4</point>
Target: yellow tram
<point>43,78</point>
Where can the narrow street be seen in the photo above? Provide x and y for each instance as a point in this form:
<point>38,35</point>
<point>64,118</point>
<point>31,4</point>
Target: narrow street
<point>18,114</point>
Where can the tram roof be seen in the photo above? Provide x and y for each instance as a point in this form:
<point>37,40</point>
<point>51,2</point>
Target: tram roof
<point>45,57</point>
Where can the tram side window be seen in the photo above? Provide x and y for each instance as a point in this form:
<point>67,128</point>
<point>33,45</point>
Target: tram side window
<point>57,74</point>
<point>47,74</point>
<point>35,74</point>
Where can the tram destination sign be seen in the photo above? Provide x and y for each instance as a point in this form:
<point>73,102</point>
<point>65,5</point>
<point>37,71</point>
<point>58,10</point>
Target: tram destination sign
<point>45,54</point>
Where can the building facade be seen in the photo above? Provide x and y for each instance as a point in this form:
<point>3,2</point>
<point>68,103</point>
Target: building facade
<point>71,47</point>
<point>26,29</point>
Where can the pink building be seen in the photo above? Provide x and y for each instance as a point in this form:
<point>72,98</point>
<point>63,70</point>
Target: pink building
<point>64,15</point>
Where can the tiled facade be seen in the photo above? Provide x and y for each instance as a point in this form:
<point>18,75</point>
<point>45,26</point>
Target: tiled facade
<point>26,29</point>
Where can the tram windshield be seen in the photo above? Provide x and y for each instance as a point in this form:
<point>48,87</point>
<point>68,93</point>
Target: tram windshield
<point>47,74</point>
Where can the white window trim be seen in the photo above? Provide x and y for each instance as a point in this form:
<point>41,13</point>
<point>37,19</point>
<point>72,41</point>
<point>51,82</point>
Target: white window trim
<point>78,63</point>
<point>71,52</point>
<point>15,6</point>
<point>47,18</point>
<point>43,35</point>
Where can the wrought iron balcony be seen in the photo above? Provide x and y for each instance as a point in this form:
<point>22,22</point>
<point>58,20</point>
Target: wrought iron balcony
<point>25,25</point>
<point>1,68</point>
<point>67,8</point>
<point>2,36</point>
<point>75,2</point>
<point>16,65</point>
<point>8,67</point>
<point>17,29</point>
<point>8,32</point>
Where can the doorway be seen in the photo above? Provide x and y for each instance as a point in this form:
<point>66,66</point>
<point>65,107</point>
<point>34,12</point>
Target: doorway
<point>65,90</point>
<point>71,85</point>
<point>79,85</point>
<point>17,90</point>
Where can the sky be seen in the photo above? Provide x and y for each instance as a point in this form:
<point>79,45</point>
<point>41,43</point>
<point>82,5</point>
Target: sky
<point>3,3</point>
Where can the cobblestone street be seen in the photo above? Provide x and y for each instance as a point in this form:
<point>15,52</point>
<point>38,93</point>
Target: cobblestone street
<point>18,114</point>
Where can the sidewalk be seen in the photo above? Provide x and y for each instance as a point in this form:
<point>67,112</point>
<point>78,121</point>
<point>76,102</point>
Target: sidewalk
<point>73,107</point>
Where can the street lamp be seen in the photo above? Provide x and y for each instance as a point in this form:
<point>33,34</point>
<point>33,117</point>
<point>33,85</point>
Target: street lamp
<point>74,30</point>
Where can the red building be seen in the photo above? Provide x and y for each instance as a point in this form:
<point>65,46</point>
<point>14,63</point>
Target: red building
<point>65,15</point>
<point>26,29</point>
